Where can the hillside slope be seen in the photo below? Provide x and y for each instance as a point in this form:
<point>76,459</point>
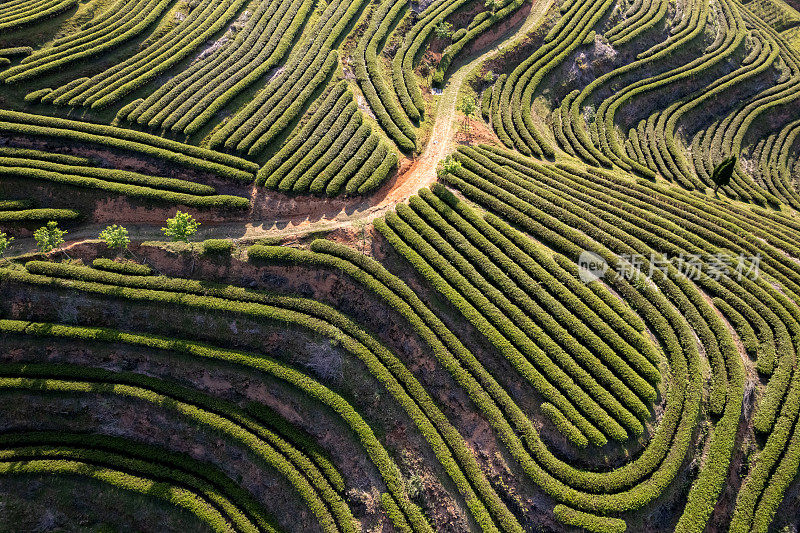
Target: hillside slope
<point>460,265</point>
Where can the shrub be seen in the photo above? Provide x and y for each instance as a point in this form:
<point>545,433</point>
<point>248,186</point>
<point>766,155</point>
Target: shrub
<point>115,237</point>
<point>443,30</point>
<point>14,205</point>
<point>37,215</point>
<point>217,247</point>
<point>447,166</point>
<point>16,51</point>
<point>5,242</point>
<point>588,522</point>
<point>721,176</point>
<point>36,96</point>
<point>181,227</point>
<point>121,267</point>
<point>32,12</point>
<point>49,237</point>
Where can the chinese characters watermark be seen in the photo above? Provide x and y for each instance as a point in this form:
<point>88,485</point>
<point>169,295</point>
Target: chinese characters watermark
<point>592,266</point>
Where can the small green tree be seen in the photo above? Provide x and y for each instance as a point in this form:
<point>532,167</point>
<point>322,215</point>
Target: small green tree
<point>468,107</point>
<point>492,6</point>
<point>5,242</point>
<point>443,30</point>
<point>723,173</point>
<point>49,237</point>
<point>447,166</point>
<point>181,227</point>
<point>115,237</point>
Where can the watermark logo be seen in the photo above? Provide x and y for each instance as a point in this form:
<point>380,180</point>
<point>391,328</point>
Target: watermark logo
<point>591,266</point>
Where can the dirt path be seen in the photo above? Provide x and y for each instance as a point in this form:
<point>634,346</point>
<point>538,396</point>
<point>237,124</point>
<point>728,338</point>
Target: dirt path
<point>339,213</point>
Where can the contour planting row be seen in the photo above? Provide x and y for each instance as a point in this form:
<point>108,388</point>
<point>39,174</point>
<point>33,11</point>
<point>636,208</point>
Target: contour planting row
<point>194,97</point>
<point>116,469</point>
<point>481,23</point>
<point>112,28</point>
<point>373,84</point>
<point>113,84</point>
<point>516,98</point>
<point>729,416</point>
<point>604,132</point>
<point>696,227</point>
<point>288,93</point>
<point>11,215</point>
<point>779,15</point>
<point>206,411</point>
<point>718,387</point>
<point>681,295</point>
<point>538,329</point>
<point>334,151</point>
<point>223,165</point>
<point>653,146</point>
<point>133,184</point>
<point>775,166</point>
<point>403,76</point>
<point>727,135</point>
<point>642,16</point>
<point>443,438</point>
<point>181,350</point>
<point>484,391</point>
<point>17,14</point>
<point>664,153</point>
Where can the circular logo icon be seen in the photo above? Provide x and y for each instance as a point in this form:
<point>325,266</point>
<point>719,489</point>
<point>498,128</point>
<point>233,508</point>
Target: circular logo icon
<point>591,266</point>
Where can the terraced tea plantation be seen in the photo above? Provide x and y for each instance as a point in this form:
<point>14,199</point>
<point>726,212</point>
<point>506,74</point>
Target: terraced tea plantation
<point>449,265</point>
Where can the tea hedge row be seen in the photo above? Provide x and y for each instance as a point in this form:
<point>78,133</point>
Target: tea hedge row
<point>224,418</point>
<point>151,462</point>
<point>197,94</point>
<point>122,22</point>
<point>302,382</point>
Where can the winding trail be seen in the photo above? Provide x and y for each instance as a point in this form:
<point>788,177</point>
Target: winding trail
<point>338,213</point>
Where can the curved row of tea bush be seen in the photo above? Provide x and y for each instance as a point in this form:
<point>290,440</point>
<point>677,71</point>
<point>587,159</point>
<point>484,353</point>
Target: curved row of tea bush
<point>144,67</point>
<point>151,462</point>
<point>603,127</point>
<point>699,226</point>
<point>583,366</point>
<point>447,444</point>
<point>137,186</point>
<point>638,19</point>
<point>114,175</point>
<point>373,83</point>
<point>37,215</point>
<point>403,76</point>
<point>710,481</point>
<point>402,299</point>
<point>285,96</point>
<point>224,165</point>
<point>192,98</point>
<point>203,410</point>
<point>194,351</point>
<point>119,24</point>
<point>335,151</point>
<point>16,15</point>
<point>516,98</point>
<point>503,10</point>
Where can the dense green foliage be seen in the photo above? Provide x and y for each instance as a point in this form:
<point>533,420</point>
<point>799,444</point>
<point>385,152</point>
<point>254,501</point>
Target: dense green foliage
<point>584,316</point>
